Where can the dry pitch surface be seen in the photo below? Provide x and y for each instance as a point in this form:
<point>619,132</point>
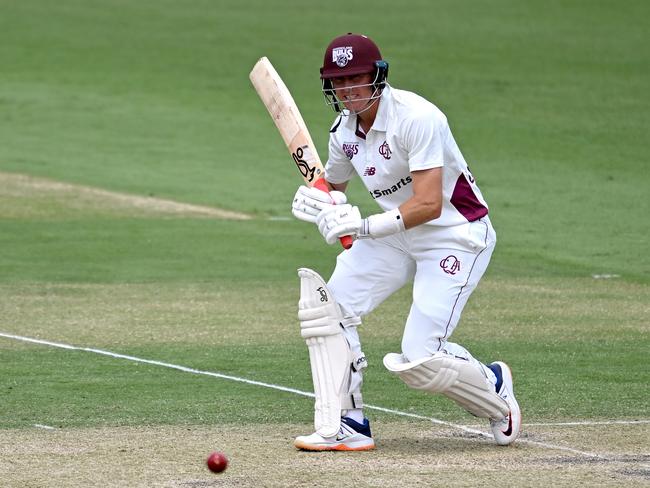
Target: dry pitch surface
<point>408,454</point>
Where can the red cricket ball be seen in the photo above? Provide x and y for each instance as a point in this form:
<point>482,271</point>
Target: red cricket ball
<point>217,462</point>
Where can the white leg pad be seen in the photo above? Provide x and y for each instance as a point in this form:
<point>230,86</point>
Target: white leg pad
<point>455,378</point>
<point>329,352</point>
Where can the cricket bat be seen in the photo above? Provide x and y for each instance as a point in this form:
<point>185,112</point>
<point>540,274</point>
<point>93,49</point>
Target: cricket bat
<point>283,110</point>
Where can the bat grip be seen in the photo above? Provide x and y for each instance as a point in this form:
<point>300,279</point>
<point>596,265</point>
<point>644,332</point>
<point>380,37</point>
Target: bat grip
<point>321,184</point>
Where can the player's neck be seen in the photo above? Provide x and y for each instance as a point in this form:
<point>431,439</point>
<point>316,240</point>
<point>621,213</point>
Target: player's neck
<point>367,117</point>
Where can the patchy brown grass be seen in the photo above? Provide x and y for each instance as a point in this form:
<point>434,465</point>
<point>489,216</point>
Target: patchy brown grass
<point>23,196</point>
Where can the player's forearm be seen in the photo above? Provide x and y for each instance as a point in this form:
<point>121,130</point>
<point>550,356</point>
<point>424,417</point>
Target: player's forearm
<point>416,211</point>
<point>426,202</point>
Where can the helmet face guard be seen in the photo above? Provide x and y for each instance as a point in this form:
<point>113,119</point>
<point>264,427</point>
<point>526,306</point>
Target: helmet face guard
<point>350,55</point>
<point>378,84</point>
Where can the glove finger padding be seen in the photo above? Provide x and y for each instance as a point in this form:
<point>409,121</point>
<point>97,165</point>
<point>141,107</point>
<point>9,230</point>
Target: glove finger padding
<point>324,220</point>
<point>304,213</point>
<point>309,202</point>
<point>335,222</point>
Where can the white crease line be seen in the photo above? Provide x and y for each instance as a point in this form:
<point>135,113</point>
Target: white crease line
<point>588,423</point>
<point>46,427</point>
<point>285,389</point>
<point>582,423</point>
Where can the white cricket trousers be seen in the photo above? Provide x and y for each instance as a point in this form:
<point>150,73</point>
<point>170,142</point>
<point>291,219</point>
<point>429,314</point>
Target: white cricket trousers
<point>444,263</point>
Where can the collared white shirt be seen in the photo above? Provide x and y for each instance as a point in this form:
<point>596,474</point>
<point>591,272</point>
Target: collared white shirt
<point>409,134</point>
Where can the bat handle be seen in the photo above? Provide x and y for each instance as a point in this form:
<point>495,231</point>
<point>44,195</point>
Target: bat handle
<point>346,242</point>
<point>321,184</point>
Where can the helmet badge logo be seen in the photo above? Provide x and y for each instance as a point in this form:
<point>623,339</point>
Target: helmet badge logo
<point>342,56</point>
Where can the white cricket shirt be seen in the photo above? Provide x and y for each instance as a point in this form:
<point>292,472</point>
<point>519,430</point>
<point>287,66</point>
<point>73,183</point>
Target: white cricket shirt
<point>408,134</point>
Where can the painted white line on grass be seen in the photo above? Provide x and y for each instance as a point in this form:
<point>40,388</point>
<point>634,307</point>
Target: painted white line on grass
<point>156,363</point>
<point>46,427</point>
<point>604,276</point>
<point>286,389</point>
<point>582,423</point>
<point>588,423</point>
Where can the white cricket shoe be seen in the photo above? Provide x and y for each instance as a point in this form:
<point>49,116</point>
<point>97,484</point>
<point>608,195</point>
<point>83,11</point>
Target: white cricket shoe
<point>352,436</point>
<point>506,430</point>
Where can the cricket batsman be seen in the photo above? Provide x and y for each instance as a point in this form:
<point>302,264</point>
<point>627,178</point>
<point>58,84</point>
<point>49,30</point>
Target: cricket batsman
<point>433,231</point>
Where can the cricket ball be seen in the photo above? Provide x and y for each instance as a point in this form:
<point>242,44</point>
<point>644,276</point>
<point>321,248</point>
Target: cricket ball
<point>217,462</point>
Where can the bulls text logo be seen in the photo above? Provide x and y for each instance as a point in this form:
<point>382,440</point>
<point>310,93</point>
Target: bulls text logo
<point>385,151</point>
<point>300,156</point>
<point>450,265</point>
<point>342,56</point>
<point>350,149</point>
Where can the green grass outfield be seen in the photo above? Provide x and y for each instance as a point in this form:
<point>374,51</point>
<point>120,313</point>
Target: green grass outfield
<point>549,103</point>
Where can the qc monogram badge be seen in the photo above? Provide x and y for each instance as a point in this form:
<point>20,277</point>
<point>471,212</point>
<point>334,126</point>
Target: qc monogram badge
<point>385,151</point>
<point>450,264</point>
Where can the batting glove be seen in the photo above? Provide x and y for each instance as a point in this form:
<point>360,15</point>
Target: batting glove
<point>309,202</point>
<point>341,220</point>
<point>345,220</point>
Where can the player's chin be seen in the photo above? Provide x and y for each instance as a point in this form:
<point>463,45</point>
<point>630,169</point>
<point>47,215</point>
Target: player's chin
<point>355,106</point>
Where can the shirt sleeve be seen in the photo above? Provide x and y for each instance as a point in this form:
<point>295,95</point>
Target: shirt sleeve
<point>423,140</point>
<point>338,169</point>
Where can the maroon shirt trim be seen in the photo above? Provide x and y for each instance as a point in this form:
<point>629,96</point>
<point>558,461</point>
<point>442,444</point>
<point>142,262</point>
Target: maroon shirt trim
<point>465,201</point>
<point>358,132</point>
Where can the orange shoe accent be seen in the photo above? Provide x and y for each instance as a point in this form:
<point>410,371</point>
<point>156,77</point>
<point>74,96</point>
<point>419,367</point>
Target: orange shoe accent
<point>334,447</point>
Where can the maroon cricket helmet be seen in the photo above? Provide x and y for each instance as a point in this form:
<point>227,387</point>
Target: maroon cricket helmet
<point>348,55</point>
